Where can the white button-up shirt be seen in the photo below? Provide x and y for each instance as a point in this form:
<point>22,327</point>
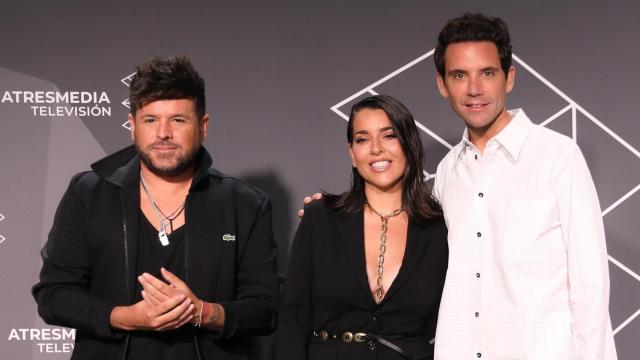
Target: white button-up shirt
<point>528,273</point>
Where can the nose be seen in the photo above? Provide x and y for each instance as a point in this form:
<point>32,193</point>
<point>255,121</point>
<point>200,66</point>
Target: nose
<point>376,146</point>
<point>164,130</point>
<point>474,86</point>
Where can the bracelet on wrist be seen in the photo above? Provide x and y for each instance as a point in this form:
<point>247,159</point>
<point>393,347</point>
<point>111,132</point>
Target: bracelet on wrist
<point>199,318</point>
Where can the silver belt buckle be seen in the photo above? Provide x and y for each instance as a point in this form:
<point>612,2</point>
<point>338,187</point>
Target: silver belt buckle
<point>359,337</point>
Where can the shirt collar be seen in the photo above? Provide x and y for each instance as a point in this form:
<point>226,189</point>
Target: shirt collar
<point>462,145</point>
<point>511,137</point>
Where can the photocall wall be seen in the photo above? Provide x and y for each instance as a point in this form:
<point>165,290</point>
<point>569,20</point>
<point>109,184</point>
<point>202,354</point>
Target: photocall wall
<point>281,77</point>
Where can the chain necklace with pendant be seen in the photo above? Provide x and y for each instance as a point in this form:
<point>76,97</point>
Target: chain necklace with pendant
<point>164,219</point>
<point>379,293</point>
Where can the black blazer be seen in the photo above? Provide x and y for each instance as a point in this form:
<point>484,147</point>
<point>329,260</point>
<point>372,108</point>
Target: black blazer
<point>327,289</point>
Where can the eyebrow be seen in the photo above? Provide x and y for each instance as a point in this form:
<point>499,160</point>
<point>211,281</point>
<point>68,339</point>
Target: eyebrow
<point>367,131</point>
<point>458,71</point>
<point>150,115</point>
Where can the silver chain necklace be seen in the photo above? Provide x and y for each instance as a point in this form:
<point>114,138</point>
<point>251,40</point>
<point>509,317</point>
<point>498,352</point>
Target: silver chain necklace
<point>164,219</point>
<point>379,293</point>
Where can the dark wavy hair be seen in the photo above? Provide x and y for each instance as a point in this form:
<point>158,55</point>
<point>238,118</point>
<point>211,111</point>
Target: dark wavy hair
<point>166,79</point>
<point>416,192</point>
<point>474,27</point>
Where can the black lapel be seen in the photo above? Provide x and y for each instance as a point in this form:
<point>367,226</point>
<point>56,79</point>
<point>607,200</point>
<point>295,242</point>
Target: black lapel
<point>131,199</point>
<point>418,239</point>
<point>350,235</point>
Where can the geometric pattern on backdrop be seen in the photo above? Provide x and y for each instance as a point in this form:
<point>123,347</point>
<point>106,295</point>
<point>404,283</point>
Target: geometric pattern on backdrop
<point>2,238</point>
<point>569,106</point>
<point>127,81</point>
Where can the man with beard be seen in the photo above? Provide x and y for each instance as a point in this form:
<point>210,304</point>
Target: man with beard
<point>154,254</point>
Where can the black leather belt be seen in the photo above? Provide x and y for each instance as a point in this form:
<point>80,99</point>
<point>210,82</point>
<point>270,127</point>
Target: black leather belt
<point>360,337</point>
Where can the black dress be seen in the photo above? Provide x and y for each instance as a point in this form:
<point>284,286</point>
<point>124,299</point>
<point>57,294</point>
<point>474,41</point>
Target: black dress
<point>327,292</point>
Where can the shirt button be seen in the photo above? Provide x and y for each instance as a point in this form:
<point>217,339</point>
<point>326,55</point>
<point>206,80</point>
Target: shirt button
<point>479,234</point>
<point>475,156</point>
<point>477,314</point>
<point>480,195</point>
<point>477,275</point>
<point>479,355</point>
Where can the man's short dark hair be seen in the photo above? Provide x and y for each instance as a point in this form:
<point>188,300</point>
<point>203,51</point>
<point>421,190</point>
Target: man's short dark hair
<point>474,27</point>
<point>166,79</point>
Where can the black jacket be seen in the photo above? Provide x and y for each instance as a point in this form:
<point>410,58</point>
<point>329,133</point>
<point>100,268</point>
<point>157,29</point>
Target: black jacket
<point>327,290</point>
<point>90,257</point>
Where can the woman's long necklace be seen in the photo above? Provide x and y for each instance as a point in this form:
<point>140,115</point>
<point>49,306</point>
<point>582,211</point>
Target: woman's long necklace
<point>379,293</point>
<point>164,219</point>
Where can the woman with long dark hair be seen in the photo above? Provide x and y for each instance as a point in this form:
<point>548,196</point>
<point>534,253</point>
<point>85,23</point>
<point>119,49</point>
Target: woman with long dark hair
<point>367,267</point>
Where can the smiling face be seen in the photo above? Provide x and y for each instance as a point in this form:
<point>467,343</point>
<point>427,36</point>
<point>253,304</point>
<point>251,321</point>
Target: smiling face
<point>476,86</point>
<point>376,151</point>
<point>168,135</point>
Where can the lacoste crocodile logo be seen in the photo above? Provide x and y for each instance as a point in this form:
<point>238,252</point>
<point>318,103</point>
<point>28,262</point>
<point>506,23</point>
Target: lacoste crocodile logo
<point>228,237</point>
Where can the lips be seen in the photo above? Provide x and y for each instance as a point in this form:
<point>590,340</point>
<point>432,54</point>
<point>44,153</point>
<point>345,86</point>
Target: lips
<point>476,106</point>
<point>164,146</point>
<point>380,165</point>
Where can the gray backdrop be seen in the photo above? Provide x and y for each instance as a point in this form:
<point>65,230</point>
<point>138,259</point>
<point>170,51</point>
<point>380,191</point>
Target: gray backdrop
<point>280,75</point>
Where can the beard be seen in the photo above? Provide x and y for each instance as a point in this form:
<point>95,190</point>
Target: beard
<point>168,165</point>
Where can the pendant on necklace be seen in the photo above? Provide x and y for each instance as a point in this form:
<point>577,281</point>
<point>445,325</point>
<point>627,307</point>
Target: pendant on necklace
<point>164,239</point>
<point>162,234</point>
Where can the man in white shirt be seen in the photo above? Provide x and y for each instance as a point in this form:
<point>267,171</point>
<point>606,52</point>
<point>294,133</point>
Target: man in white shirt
<point>528,272</point>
